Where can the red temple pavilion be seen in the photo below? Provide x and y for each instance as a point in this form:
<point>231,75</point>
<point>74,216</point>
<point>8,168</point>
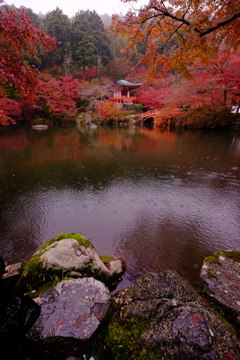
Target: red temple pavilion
<point>122,92</point>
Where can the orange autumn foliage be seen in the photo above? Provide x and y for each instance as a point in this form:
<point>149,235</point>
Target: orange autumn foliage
<point>107,110</point>
<point>177,32</point>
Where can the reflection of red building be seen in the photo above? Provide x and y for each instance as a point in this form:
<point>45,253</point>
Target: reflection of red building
<point>122,92</point>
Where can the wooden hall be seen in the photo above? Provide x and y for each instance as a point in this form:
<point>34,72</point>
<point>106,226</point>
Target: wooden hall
<point>122,92</point>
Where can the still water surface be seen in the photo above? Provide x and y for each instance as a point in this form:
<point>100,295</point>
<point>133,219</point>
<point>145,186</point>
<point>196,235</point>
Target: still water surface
<point>159,200</point>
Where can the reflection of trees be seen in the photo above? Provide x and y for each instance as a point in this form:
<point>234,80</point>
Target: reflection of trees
<point>21,222</point>
<point>148,245</point>
<point>79,159</point>
<point>235,146</point>
<point>72,157</point>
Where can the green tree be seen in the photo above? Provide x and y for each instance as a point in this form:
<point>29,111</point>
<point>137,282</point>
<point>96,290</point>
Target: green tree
<point>34,18</point>
<point>58,26</point>
<point>89,42</point>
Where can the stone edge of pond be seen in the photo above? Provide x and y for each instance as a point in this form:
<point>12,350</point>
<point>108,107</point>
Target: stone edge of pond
<point>49,264</point>
<point>107,339</point>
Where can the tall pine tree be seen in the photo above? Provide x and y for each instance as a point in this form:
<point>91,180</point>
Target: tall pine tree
<point>89,42</point>
<point>58,26</point>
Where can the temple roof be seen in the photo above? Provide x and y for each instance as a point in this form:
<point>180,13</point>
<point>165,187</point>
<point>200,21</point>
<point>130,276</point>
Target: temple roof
<point>127,83</point>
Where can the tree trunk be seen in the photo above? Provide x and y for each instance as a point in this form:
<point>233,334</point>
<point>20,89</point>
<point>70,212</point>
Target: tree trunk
<point>225,97</point>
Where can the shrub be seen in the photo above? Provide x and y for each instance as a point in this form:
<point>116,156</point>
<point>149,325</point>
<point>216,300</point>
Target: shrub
<point>139,107</point>
<point>107,110</point>
<point>211,116</point>
<point>11,110</point>
<point>59,97</point>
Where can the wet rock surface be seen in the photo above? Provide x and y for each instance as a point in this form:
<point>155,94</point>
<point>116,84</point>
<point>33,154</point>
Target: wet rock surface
<point>169,321</point>
<point>72,308</point>
<point>159,317</point>
<point>11,275</point>
<point>17,315</point>
<point>68,254</point>
<point>72,256</point>
<point>17,312</point>
<point>221,274</point>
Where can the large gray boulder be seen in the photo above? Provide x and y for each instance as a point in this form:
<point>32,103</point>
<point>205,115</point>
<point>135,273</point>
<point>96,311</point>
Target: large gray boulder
<point>71,309</point>
<point>221,274</point>
<point>68,255</point>
<point>162,317</point>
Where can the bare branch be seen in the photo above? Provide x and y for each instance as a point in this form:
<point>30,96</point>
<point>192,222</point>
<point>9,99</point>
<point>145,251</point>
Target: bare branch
<point>222,23</point>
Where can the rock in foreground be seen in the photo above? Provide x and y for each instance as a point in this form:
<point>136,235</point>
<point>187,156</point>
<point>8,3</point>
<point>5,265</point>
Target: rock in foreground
<point>17,315</point>
<point>68,255</point>
<point>162,317</point>
<point>72,308</point>
<point>221,273</point>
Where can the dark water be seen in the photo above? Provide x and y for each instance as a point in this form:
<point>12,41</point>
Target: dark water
<point>159,200</point>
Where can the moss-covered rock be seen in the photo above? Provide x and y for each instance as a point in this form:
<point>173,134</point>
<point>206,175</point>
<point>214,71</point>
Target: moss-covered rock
<point>66,256</point>
<point>124,339</point>
<point>221,274</point>
<point>162,317</point>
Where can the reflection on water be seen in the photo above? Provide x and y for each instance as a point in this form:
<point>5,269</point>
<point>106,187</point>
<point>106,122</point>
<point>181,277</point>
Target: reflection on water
<point>159,200</point>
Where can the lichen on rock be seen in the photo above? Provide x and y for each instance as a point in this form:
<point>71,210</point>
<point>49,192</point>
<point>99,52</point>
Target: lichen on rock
<point>72,308</point>
<point>221,274</point>
<point>167,320</point>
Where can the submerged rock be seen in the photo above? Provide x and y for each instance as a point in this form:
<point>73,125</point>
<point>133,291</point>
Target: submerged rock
<point>221,273</point>
<point>162,317</point>
<point>40,127</point>
<point>71,255</point>
<point>72,308</point>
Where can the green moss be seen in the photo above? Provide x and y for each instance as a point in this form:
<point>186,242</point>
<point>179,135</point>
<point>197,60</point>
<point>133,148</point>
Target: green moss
<point>106,258</point>
<point>34,265</point>
<point>124,340</point>
<point>234,255</point>
<point>213,259</point>
<point>224,314</point>
<point>35,276</point>
<point>80,239</point>
<point>139,107</point>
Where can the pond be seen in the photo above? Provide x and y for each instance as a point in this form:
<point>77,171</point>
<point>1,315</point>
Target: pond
<point>160,200</point>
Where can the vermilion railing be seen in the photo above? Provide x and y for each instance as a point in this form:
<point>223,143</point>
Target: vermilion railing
<point>161,112</point>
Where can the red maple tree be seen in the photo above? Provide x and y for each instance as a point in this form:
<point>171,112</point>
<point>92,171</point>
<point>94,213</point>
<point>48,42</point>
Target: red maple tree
<point>59,95</point>
<point>215,84</point>
<point>19,41</point>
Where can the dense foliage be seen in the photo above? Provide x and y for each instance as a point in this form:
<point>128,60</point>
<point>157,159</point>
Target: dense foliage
<point>58,96</point>
<point>188,51</point>
<point>19,41</point>
<point>176,33</point>
<point>89,43</point>
<point>58,26</point>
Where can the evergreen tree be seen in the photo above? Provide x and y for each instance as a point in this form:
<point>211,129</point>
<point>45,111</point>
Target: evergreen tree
<point>89,42</point>
<point>35,20</point>
<point>58,26</point>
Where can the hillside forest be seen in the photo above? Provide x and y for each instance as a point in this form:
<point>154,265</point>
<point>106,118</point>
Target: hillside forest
<point>185,55</point>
